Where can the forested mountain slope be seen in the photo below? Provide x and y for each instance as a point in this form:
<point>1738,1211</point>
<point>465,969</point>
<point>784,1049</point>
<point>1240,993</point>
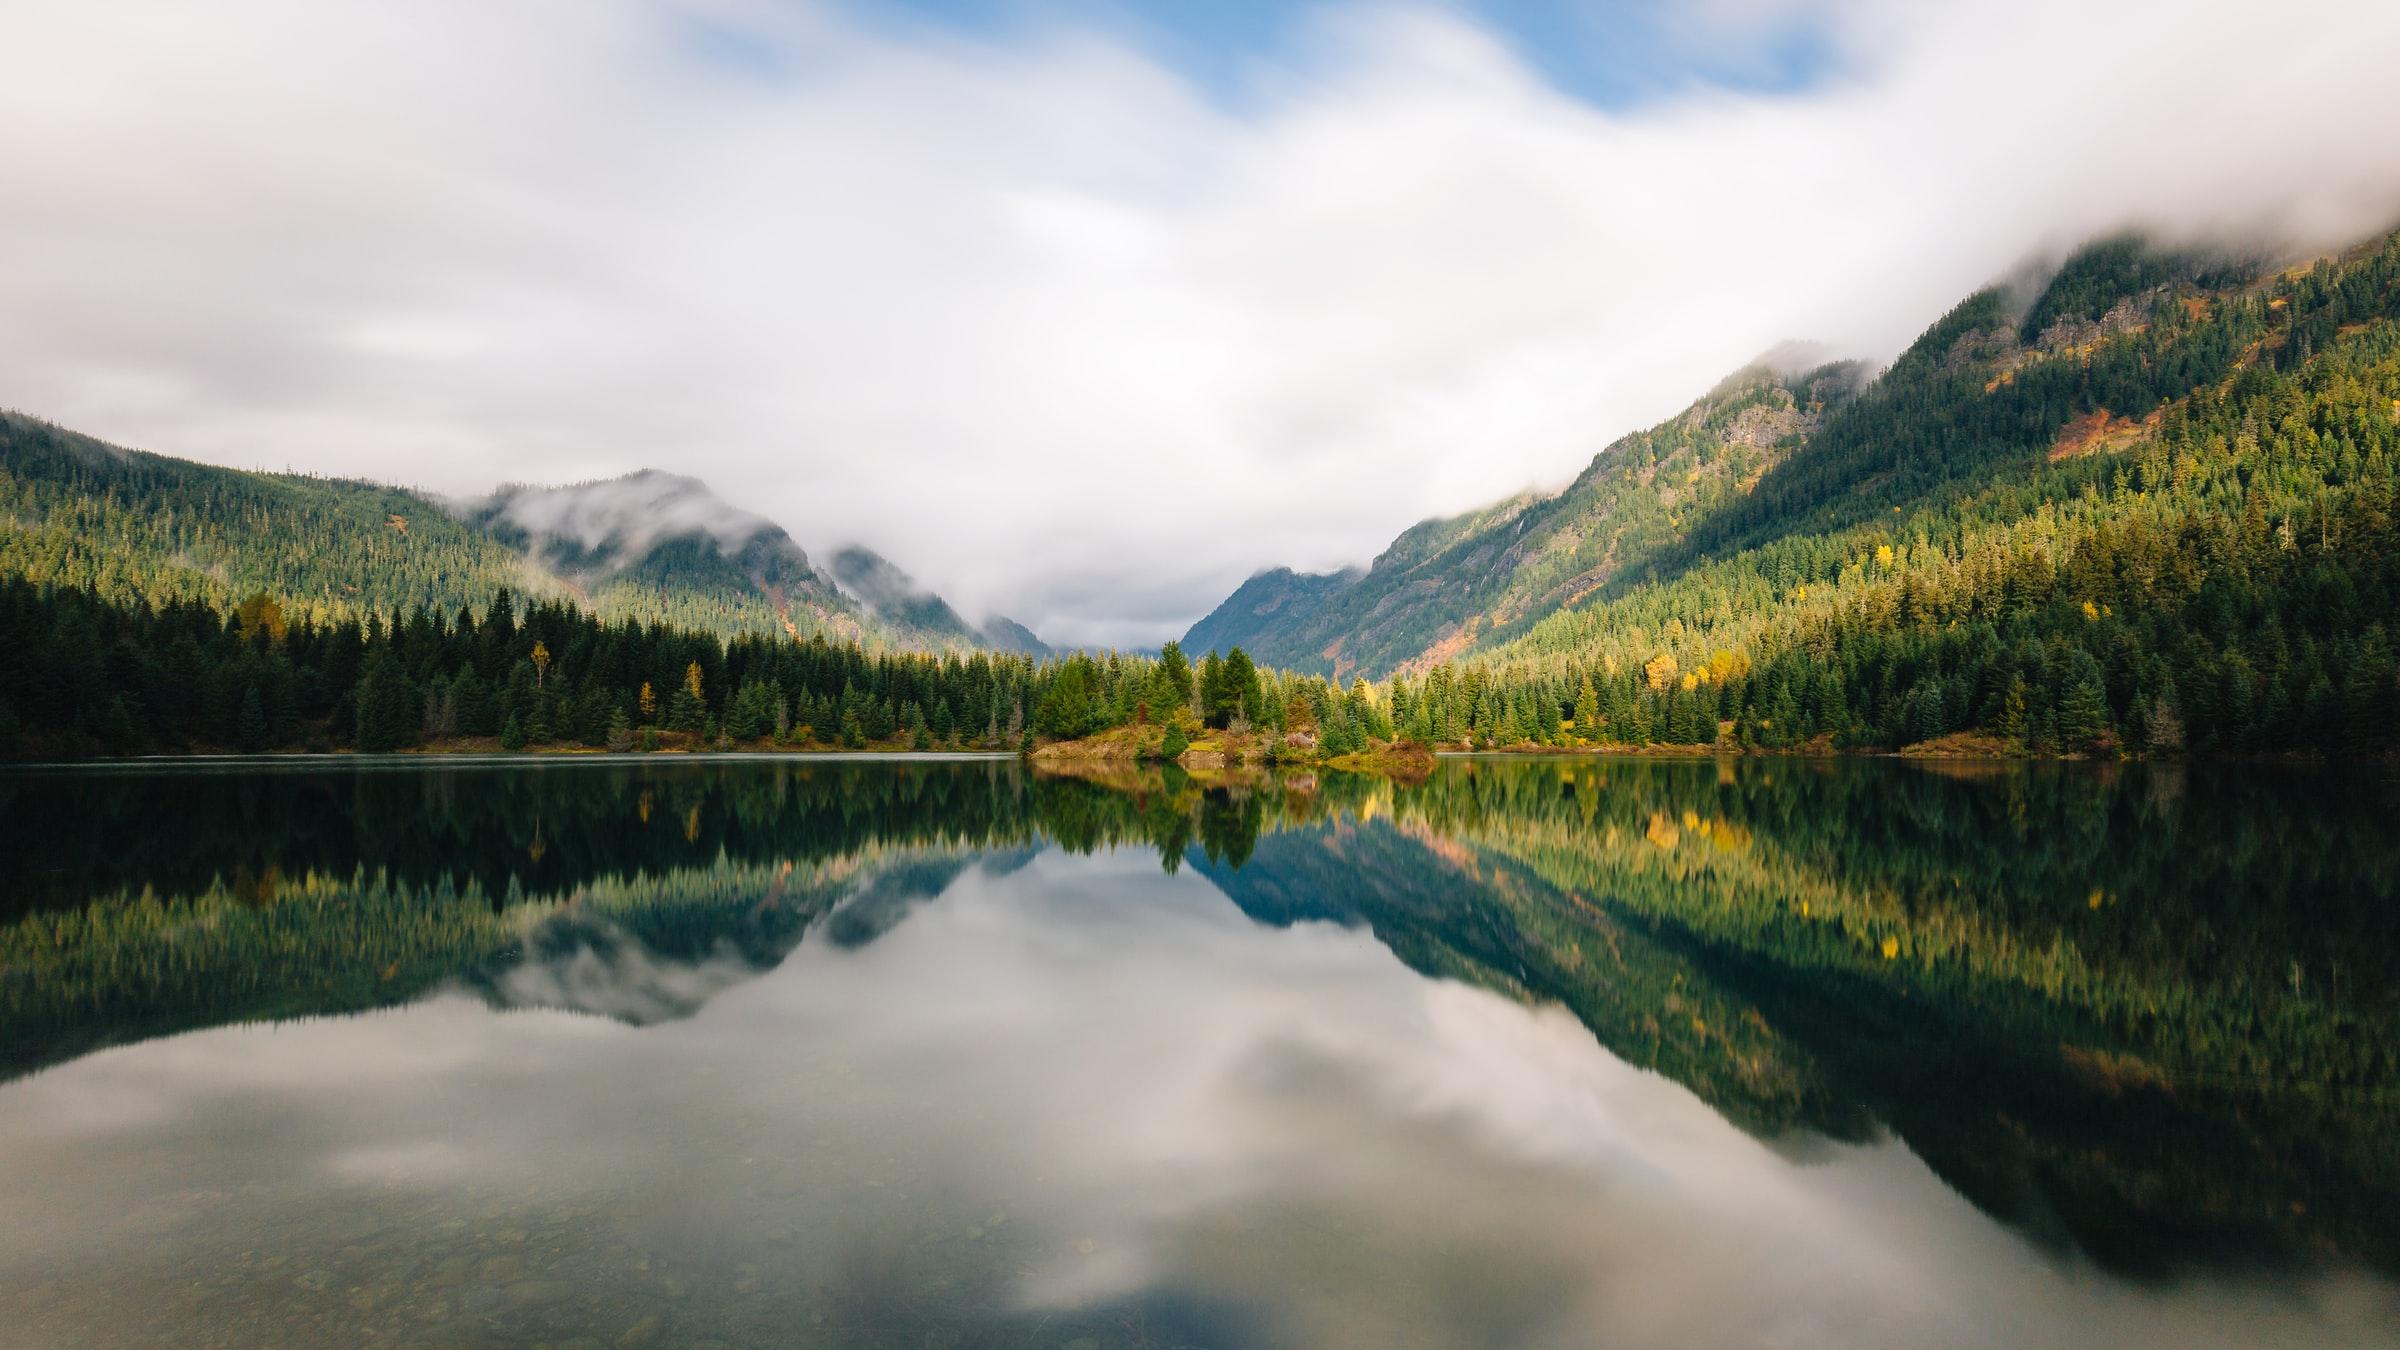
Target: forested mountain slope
<point>2150,504</point>
<point>1004,634</point>
<point>1450,586</point>
<point>651,547</point>
<point>76,512</point>
<point>660,547</point>
<point>894,597</point>
<point>1266,613</point>
<point>2169,518</point>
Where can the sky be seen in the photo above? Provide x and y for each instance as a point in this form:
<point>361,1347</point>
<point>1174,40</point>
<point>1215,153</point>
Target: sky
<point>1084,311</point>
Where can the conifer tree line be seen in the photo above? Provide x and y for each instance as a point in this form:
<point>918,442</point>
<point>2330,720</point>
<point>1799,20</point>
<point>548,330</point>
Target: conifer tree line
<point>94,676</point>
<point>86,675</point>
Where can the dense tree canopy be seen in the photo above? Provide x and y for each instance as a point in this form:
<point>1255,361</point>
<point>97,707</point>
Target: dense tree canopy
<point>80,674</point>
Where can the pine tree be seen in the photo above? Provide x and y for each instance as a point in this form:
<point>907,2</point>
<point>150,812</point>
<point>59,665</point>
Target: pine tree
<point>252,724</point>
<point>470,703</point>
<point>685,712</point>
<point>1066,709</point>
<point>387,713</point>
<point>1241,687</point>
<point>1168,690</point>
<point>1215,703</point>
<point>2083,715</point>
<point>2011,724</point>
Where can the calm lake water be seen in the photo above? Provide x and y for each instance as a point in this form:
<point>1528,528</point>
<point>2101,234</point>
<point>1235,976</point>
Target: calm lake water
<point>1554,1052</point>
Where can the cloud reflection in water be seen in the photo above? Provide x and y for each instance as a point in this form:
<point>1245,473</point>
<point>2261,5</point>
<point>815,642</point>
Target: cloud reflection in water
<point>1078,1084</point>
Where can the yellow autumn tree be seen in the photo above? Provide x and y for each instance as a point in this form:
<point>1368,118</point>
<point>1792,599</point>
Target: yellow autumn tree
<point>1725,664</point>
<point>260,614</point>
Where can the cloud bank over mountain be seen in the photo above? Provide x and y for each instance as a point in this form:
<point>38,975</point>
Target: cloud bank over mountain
<point>1070,332</point>
<point>621,518</point>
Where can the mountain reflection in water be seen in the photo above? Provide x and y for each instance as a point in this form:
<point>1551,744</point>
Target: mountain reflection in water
<point>1534,1053</point>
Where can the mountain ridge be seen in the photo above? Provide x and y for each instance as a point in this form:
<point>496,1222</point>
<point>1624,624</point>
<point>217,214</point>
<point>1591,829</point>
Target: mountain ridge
<point>1788,448</point>
<point>1444,585</point>
<point>650,546</point>
<point>892,595</point>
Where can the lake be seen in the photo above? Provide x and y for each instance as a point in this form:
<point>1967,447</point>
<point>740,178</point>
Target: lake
<point>1539,1052</point>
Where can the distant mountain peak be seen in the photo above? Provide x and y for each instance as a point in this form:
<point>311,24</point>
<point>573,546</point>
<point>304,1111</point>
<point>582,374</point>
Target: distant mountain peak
<point>881,589</point>
<point>1003,633</point>
<point>658,532</point>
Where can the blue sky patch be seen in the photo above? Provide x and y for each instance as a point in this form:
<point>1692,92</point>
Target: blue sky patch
<point>1617,54</point>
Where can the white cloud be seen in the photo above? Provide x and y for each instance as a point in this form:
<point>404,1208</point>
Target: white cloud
<point>1051,327</point>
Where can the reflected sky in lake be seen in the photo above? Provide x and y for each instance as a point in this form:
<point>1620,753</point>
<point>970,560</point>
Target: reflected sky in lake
<point>1036,1096</point>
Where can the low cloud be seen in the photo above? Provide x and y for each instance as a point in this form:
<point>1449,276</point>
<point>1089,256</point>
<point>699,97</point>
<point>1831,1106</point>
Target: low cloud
<point>621,517</point>
<point>1036,316</point>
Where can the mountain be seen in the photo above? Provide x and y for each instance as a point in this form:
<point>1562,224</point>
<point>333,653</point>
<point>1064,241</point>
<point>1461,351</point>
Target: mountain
<point>1270,601</point>
<point>651,546</point>
<point>656,545</point>
<point>133,526</point>
<point>661,547</point>
<point>2151,503</point>
<point>1004,634</point>
<point>1791,466</point>
<point>1446,587</point>
<point>890,594</point>
<point>895,598</point>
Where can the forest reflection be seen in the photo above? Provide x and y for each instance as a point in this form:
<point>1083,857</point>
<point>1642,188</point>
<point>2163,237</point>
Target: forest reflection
<point>2148,1012</point>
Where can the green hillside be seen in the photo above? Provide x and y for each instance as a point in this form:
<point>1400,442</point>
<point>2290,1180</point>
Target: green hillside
<point>77,513</point>
<point>656,547</point>
<point>1270,613</point>
<point>2165,520</point>
<point>1450,586</point>
<point>650,548</point>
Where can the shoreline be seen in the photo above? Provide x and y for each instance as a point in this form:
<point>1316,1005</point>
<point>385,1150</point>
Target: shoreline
<point>576,756</point>
<point>1060,756</point>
